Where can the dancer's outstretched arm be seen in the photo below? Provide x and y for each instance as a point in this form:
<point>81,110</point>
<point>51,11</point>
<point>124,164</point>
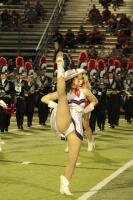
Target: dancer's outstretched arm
<point>49,97</point>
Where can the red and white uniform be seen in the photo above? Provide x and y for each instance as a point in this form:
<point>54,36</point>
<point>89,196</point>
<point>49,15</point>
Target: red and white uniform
<point>77,103</point>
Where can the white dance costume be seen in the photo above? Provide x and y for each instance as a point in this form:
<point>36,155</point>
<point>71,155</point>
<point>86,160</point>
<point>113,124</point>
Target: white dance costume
<point>77,103</point>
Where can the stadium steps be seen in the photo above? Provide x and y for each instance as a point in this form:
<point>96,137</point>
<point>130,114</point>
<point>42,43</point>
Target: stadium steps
<point>74,14</point>
<point>25,40</point>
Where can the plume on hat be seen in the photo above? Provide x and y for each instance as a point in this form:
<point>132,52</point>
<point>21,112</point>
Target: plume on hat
<point>42,62</point>
<point>117,63</point>
<point>19,61</point>
<point>3,61</point>
<point>92,64</point>
<point>111,61</point>
<point>101,64</point>
<point>130,65</point>
<point>83,56</point>
<point>28,65</point>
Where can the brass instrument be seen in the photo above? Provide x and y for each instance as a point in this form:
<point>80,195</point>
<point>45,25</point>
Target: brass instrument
<point>127,93</point>
<point>113,92</point>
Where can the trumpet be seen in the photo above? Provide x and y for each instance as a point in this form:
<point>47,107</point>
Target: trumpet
<point>127,93</point>
<point>109,92</point>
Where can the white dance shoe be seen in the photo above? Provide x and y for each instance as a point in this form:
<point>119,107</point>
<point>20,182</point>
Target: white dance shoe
<point>1,143</point>
<point>64,186</point>
<point>66,149</point>
<point>91,145</point>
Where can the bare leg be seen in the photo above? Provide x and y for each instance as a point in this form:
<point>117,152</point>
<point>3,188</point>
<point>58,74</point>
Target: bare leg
<point>63,117</point>
<point>74,144</point>
<point>87,127</point>
<point>91,143</point>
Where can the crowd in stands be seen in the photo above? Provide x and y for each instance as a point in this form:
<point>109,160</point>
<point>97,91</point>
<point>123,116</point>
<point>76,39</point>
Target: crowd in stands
<point>115,3</point>
<point>12,19</point>
<point>70,40</point>
<point>120,26</point>
<point>13,2</point>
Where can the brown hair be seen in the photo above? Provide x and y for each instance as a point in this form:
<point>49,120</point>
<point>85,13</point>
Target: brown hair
<point>69,84</point>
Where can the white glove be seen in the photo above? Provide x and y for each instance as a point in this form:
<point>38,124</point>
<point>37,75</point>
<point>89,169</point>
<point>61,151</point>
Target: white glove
<point>3,104</point>
<point>89,108</point>
<point>52,104</point>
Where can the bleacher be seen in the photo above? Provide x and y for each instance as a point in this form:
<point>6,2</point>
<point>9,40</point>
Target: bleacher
<point>74,15</point>
<point>24,40</point>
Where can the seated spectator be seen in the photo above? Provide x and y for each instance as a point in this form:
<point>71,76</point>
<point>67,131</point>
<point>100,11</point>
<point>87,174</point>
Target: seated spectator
<point>106,14</point>
<point>126,49</point>
<point>58,40</point>
<point>105,3</point>
<point>27,6</point>
<point>95,36</point>
<point>121,39</point>
<point>112,24</point>
<point>41,12</point>
<point>81,36</point>
<point>94,15</point>
<point>70,39</point>
<point>116,4</point>
<point>15,16</point>
<point>5,20</point>
<point>123,22</point>
<point>31,16</point>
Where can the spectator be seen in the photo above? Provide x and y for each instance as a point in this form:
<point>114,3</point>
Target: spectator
<point>121,39</point>
<point>27,7</point>
<point>115,4</point>
<point>58,40</point>
<point>105,3</point>
<point>112,24</point>
<point>15,16</point>
<point>6,20</point>
<point>123,22</point>
<point>94,15</point>
<point>70,39</point>
<point>95,36</point>
<point>106,14</point>
<point>81,36</point>
<point>31,16</point>
<point>41,12</point>
<point>126,49</point>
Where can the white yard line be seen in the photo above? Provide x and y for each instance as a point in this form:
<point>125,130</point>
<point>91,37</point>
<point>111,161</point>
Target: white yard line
<point>103,183</point>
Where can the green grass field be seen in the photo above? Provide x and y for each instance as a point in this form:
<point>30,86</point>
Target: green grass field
<point>44,151</point>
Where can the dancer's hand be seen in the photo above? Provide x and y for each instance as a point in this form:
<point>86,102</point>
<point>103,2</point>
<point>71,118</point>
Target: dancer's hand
<point>3,104</point>
<point>52,104</point>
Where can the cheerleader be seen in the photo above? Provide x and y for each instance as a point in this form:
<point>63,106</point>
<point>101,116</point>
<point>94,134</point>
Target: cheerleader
<point>71,104</point>
<point>90,104</point>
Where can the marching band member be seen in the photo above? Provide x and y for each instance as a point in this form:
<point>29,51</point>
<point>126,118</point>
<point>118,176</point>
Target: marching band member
<point>30,88</point>
<point>19,88</point>
<point>44,84</point>
<point>5,95</point>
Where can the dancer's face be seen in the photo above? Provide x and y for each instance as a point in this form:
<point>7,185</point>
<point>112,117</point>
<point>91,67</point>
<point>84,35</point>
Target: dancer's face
<point>76,82</point>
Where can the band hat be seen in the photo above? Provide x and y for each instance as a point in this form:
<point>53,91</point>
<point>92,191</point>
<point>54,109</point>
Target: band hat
<point>83,65</point>
<point>71,73</point>
<point>3,65</point>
